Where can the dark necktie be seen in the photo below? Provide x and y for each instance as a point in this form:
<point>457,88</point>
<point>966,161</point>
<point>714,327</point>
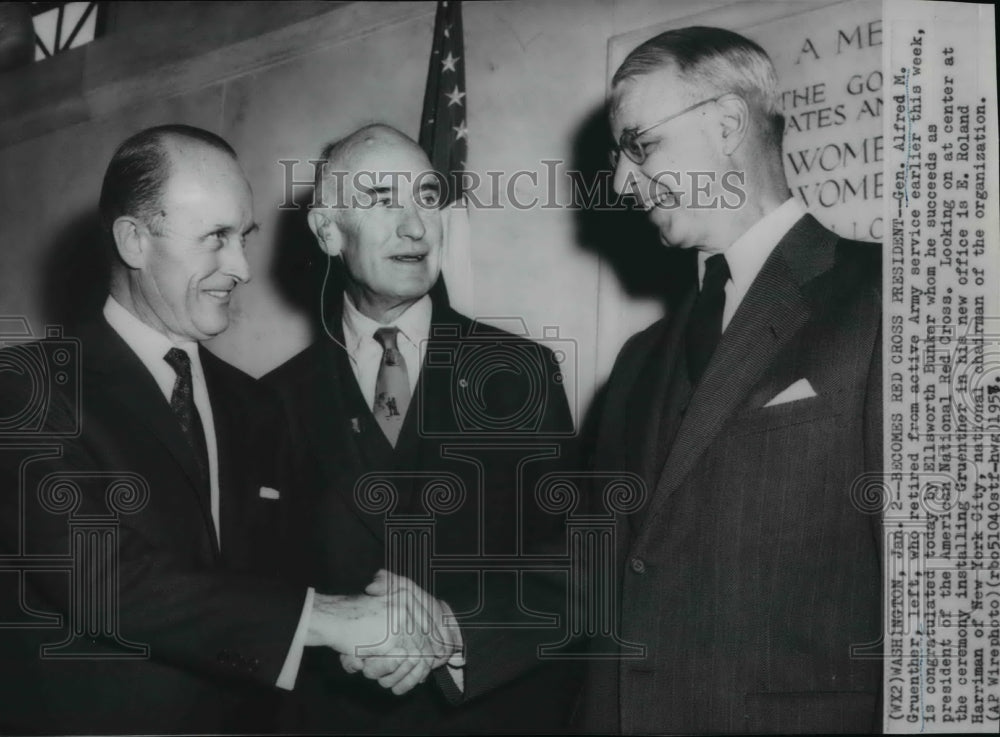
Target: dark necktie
<point>182,404</point>
<point>392,386</point>
<point>705,324</point>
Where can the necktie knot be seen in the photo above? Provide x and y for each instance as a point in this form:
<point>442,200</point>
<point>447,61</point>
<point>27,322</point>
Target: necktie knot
<point>386,337</point>
<point>716,273</point>
<point>179,361</point>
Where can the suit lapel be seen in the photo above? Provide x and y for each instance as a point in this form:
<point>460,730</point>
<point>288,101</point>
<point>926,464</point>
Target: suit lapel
<point>228,432</point>
<point>436,402</point>
<point>645,448</point>
<point>773,310</point>
<point>409,449</point>
<point>432,408</point>
<point>127,382</point>
<point>345,428</point>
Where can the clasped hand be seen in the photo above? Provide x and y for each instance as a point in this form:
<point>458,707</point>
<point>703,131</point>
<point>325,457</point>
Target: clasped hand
<point>396,633</point>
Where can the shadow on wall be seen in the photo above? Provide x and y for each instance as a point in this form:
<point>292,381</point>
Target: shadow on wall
<point>299,266</point>
<point>76,273</point>
<point>620,234</point>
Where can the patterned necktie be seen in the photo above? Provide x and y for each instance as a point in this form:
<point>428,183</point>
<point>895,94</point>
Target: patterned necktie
<point>705,324</point>
<point>392,386</point>
<point>182,404</point>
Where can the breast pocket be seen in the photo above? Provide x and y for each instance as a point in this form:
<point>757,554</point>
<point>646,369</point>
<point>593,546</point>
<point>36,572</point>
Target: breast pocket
<point>796,412</point>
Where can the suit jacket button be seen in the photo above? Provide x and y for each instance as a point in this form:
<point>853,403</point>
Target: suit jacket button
<point>638,565</point>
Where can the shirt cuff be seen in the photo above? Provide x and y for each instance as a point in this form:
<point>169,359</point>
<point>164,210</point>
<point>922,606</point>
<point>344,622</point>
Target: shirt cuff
<point>290,670</point>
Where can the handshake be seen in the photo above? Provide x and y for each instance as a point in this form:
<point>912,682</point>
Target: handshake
<point>395,633</point>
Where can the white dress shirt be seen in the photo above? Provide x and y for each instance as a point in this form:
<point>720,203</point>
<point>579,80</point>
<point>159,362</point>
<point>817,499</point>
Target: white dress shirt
<point>366,352</point>
<point>151,346</point>
<point>746,256</point>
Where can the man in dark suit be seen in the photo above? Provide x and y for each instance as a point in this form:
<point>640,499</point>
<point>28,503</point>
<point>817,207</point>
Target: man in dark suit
<point>749,574</point>
<point>143,472</point>
<point>407,398</point>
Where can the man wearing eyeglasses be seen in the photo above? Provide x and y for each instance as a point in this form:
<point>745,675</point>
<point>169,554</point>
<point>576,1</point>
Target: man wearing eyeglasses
<point>750,576</point>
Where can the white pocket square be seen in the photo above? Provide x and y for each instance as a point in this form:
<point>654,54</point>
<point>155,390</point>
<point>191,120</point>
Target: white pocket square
<point>801,389</point>
<point>266,492</point>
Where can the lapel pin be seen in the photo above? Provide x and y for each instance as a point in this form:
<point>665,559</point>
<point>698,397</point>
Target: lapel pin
<point>356,425</point>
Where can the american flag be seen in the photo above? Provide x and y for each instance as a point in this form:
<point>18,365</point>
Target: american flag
<point>443,132</point>
<point>444,136</point>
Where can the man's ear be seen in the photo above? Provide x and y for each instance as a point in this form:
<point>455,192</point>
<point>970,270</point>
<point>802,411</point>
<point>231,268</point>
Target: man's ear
<point>735,122</point>
<point>131,241</point>
<point>327,232</point>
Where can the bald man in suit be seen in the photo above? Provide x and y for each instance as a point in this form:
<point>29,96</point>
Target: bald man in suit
<point>167,449</point>
<point>404,389</point>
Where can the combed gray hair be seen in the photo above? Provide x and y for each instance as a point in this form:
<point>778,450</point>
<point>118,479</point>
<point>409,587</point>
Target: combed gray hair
<point>716,61</point>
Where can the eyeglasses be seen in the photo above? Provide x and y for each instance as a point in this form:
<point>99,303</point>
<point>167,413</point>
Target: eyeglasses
<point>629,145</point>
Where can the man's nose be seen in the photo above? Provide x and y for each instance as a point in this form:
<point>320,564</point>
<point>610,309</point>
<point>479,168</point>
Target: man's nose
<point>626,173</point>
<point>411,223</point>
<point>235,262</point>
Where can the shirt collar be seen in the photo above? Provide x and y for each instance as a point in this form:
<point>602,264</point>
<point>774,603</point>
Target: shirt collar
<point>146,342</point>
<point>414,324</point>
<point>746,256</point>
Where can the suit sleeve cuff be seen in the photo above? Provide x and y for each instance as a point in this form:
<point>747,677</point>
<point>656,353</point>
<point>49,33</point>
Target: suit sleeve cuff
<point>290,670</point>
<point>458,676</point>
<point>451,681</point>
